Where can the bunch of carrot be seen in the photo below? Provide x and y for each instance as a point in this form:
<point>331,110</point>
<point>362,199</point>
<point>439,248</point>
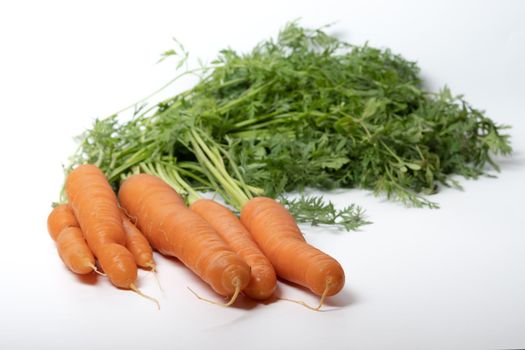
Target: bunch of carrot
<point>229,254</point>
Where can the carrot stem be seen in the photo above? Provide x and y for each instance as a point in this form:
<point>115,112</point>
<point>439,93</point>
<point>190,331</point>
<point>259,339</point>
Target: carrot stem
<point>240,179</point>
<point>170,174</point>
<point>192,194</point>
<point>173,80</point>
<point>212,161</point>
<point>235,199</point>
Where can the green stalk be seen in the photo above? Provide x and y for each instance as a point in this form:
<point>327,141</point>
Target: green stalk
<point>243,97</point>
<point>214,156</point>
<point>169,173</point>
<point>192,194</point>
<point>137,158</point>
<point>176,78</point>
<point>255,120</point>
<point>240,180</point>
<point>234,194</point>
<point>183,171</point>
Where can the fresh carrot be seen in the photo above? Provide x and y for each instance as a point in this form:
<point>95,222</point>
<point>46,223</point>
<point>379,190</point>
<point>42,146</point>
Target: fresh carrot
<point>74,251</point>
<point>60,218</point>
<point>277,234</point>
<point>174,230</point>
<point>72,248</point>
<point>138,245</point>
<point>95,206</point>
<point>263,280</point>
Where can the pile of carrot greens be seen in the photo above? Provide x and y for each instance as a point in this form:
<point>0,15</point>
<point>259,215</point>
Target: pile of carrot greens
<point>305,110</point>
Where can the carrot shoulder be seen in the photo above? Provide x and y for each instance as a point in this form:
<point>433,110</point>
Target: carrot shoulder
<point>95,206</point>
<point>277,234</point>
<point>263,279</point>
<point>174,230</point>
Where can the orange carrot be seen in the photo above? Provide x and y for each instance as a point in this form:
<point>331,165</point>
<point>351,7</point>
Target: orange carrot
<point>174,230</point>
<point>95,206</point>
<point>263,280</point>
<point>72,248</point>
<point>138,245</point>
<point>74,251</point>
<point>275,231</point>
<point>60,218</point>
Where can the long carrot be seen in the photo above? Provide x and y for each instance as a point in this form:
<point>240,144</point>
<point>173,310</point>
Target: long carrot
<point>275,231</point>
<point>174,230</point>
<point>95,206</point>
<point>263,280</point>
<point>72,248</point>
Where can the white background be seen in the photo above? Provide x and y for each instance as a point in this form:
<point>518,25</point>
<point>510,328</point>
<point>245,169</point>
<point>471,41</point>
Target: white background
<point>452,278</point>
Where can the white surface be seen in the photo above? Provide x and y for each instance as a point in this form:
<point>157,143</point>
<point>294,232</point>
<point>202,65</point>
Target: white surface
<point>452,278</point>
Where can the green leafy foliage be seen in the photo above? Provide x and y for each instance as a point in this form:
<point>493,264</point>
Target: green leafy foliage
<point>316,211</point>
<point>306,110</point>
<point>310,110</point>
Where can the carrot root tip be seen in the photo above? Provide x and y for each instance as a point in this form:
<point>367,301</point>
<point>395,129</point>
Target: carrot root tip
<point>237,284</point>
<point>151,265</point>
<point>318,307</point>
<point>94,267</point>
<point>136,290</point>
<point>153,270</point>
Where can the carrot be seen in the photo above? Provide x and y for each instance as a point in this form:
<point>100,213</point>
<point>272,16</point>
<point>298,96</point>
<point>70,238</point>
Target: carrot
<point>263,280</point>
<point>74,251</point>
<point>72,248</point>
<point>174,230</point>
<point>138,245</point>
<point>95,206</point>
<point>60,218</point>
<point>277,234</point>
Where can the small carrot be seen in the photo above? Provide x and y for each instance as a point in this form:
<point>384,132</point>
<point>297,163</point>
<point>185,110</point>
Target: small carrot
<point>60,218</point>
<point>277,234</point>
<point>95,206</point>
<point>263,280</point>
<point>138,245</point>
<point>74,251</point>
<point>174,230</point>
<point>72,248</point>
